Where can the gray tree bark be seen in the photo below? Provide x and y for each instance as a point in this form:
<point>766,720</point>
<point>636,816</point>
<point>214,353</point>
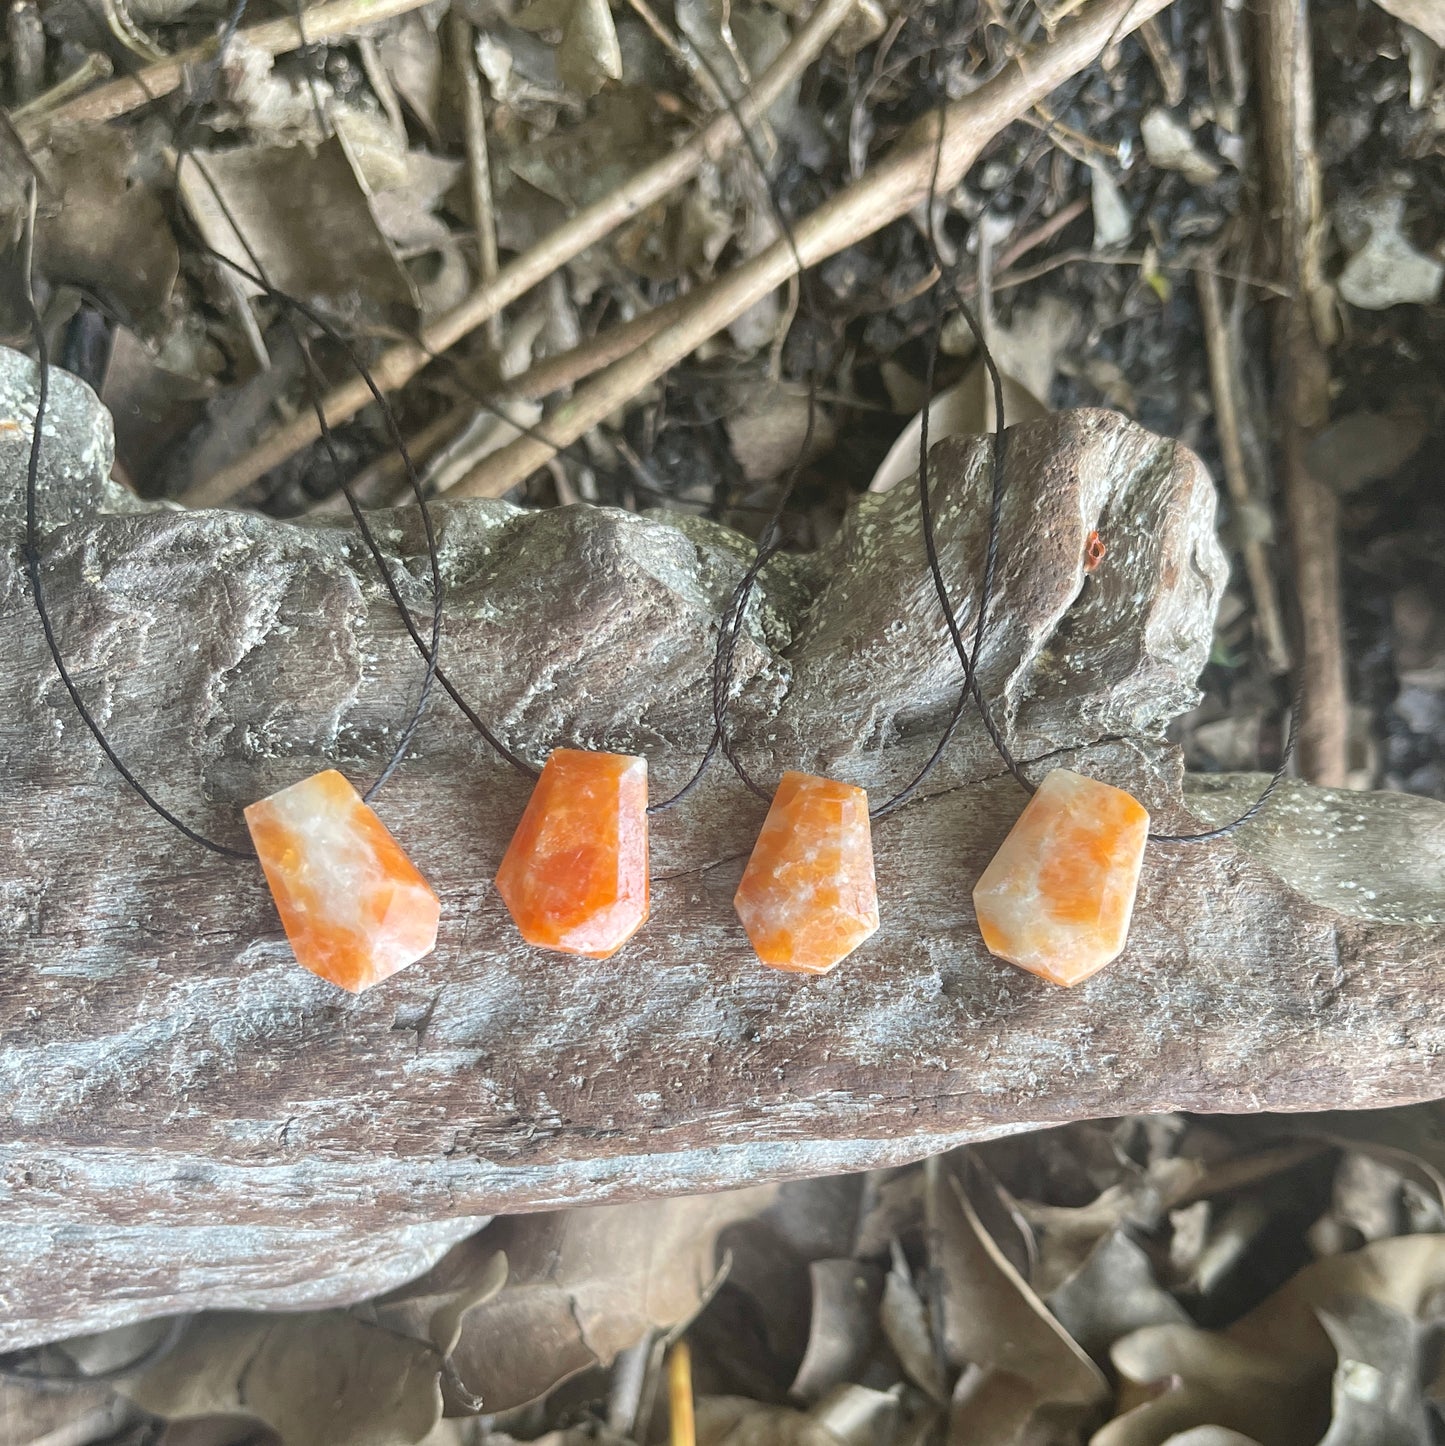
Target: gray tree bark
<point>188,1119</point>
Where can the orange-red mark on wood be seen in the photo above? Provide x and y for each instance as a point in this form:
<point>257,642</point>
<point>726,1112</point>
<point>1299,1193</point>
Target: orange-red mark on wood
<point>807,897</point>
<point>353,905</point>
<point>575,876</point>
<point>1093,552</point>
<point>1057,897</point>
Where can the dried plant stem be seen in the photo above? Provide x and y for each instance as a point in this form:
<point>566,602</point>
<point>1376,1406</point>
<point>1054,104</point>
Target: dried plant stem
<point>602,350</point>
<point>892,188</point>
<point>1302,385</point>
<point>679,52</point>
<point>590,225</point>
<point>383,481</point>
<point>1223,374</point>
<point>25,32</point>
<point>1166,67</point>
<point>52,103</point>
<point>479,172</point>
<point>323,22</point>
<point>573,366</point>
<point>682,1427</point>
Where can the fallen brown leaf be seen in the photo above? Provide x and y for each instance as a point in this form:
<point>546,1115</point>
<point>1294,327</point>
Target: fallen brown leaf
<point>846,1296</point>
<point>1270,1374</point>
<point>585,1284</point>
<point>994,1321</point>
<point>317,1378</point>
<point>102,227</point>
<point>298,212</point>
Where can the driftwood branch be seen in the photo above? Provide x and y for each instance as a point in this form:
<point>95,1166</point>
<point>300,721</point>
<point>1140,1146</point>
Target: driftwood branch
<point>191,1120</point>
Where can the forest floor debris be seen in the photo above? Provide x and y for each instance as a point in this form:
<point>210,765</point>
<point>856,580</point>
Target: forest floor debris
<point>1276,1280</point>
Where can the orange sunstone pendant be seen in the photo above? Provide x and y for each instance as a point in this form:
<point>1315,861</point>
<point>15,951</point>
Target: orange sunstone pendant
<point>575,876</point>
<point>807,897</point>
<point>1057,897</point>
<point>353,905</point>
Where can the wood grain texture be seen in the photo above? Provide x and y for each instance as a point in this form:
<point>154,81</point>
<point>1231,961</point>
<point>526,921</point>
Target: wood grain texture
<point>190,1120</point>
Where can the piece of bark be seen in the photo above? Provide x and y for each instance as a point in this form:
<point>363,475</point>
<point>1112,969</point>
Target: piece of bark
<point>187,1119</point>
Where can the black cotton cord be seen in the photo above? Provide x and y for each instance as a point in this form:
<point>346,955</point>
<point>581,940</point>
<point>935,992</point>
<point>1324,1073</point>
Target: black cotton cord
<point>313,391</point>
<point>769,542</point>
<point>414,480</point>
<point>32,561</point>
<point>719,739</point>
<point>518,762</point>
<point>968,656</point>
<point>1278,777</point>
<point>32,549</point>
<point>290,304</point>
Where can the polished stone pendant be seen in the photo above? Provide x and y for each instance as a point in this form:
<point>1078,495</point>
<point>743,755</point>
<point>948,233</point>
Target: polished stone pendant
<point>575,876</point>
<point>1057,897</point>
<point>353,905</point>
<point>807,897</point>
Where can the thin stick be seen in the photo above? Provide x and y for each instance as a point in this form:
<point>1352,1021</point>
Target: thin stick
<point>383,482</point>
<point>1222,377</point>
<point>276,37</point>
<point>479,173</point>
<point>897,184</point>
<point>1302,387</point>
<point>590,225</point>
<point>26,33</point>
<point>684,57</point>
<point>1045,231</point>
<point>682,1427</point>
<point>50,103</point>
<point>570,367</point>
<point>1171,77</point>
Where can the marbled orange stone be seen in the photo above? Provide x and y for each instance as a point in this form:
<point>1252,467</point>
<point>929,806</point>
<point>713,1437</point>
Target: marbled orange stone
<point>1057,897</point>
<point>807,897</point>
<point>353,905</point>
<point>575,876</point>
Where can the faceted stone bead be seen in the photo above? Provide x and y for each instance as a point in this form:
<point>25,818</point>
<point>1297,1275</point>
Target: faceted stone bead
<point>807,897</point>
<point>1057,897</point>
<point>575,876</point>
<point>353,905</point>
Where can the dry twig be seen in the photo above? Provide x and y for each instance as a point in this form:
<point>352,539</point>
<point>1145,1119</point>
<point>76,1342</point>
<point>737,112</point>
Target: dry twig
<point>682,1428</point>
<point>323,22</point>
<point>50,104</point>
<point>1223,372</point>
<point>898,183</point>
<point>590,225</point>
<point>1302,390</point>
<point>565,370</point>
<point>479,174</point>
<point>682,54</point>
<point>1166,67</point>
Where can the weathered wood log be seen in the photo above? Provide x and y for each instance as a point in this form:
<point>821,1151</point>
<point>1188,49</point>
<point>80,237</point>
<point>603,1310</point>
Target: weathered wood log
<point>191,1120</point>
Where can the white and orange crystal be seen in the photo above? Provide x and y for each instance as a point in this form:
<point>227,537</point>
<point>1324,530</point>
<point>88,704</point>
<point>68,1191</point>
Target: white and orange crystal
<point>807,897</point>
<point>353,905</point>
<point>1057,897</point>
